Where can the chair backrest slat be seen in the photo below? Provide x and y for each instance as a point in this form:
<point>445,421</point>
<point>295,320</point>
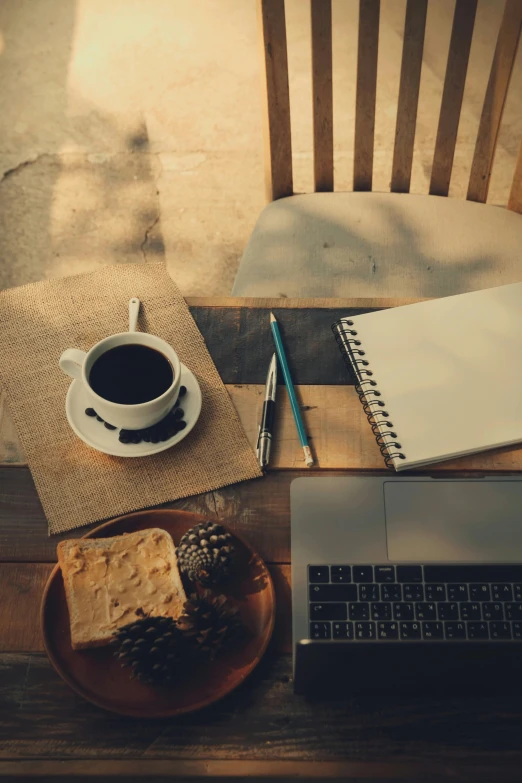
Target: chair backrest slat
<point>321,12</point>
<point>277,128</point>
<point>515,197</point>
<point>276,103</point>
<point>414,27</point>
<point>456,71</point>
<point>493,108</point>
<point>368,46</point>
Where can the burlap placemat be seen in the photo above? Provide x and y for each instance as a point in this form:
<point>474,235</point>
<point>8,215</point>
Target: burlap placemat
<point>77,484</point>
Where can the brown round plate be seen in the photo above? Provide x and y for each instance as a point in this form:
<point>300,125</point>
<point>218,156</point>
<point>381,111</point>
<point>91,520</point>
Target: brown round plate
<point>97,676</point>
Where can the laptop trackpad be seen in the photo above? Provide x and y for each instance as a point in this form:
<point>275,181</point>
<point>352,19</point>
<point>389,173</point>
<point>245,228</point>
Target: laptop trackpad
<point>463,521</point>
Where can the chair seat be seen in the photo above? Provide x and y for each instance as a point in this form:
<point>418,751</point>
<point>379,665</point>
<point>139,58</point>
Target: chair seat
<point>379,244</point>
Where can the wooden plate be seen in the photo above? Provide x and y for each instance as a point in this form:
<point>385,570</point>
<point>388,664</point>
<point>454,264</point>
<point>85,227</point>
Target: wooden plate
<point>97,676</point>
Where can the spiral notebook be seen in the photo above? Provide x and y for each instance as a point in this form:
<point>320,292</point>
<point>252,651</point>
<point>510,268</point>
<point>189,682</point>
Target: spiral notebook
<point>439,379</point>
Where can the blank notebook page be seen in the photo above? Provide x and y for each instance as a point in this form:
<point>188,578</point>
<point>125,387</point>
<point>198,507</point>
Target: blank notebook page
<point>449,371</point>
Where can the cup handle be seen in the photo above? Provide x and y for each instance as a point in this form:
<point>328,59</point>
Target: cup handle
<point>134,309</point>
<point>71,362</point>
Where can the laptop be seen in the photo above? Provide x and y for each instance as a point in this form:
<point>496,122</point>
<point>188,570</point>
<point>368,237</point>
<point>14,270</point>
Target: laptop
<point>408,581</point>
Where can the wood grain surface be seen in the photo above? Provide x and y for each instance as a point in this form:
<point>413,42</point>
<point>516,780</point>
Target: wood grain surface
<point>340,437</point>
<point>262,730</point>
<point>454,82</point>
<point>21,589</point>
<point>494,101</point>
<point>255,770</point>
<point>241,344</point>
<point>276,98</point>
<point>366,91</point>
<point>322,94</point>
<point>412,49</point>
<point>515,196</point>
<point>362,303</point>
<point>433,738</point>
<point>22,584</point>
<point>263,517</point>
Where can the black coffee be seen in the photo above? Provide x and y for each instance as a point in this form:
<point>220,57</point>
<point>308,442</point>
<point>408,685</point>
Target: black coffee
<point>130,374</point>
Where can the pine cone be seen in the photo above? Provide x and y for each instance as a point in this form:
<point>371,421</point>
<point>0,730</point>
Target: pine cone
<point>205,553</point>
<point>152,646</point>
<point>209,622</point>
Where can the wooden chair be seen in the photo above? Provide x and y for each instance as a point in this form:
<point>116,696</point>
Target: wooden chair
<point>382,244</point>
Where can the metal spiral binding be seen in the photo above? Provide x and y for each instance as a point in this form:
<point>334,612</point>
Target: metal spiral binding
<point>366,390</point>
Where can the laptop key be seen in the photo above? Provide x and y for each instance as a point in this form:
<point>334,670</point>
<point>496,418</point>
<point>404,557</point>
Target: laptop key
<point>318,574</point>
<point>320,631</point>
<point>381,612</point>
<point>473,573</point>
<point>479,592</point>
<point>513,611</point>
<point>501,592</point>
<point>410,631</point>
<point>492,611</point>
<point>457,592</point>
<point>412,592</point>
<point>391,593</point>
<point>341,573</point>
<point>403,611</point>
<point>435,593</point>
<point>368,592</point>
<point>365,630</point>
<point>409,573</point>
<point>455,631</point>
<point>359,611</point>
<point>517,630</point>
<point>342,630</point>
<point>328,612</point>
<point>477,631</point>
<point>362,573</point>
<point>470,611</point>
<point>518,592</point>
<point>500,630</point>
<point>387,631</point>
<point>432,631</point>
<point>448,611</point>
<point>426,611</point>
<point>384,574</point>
<point>321,593</point>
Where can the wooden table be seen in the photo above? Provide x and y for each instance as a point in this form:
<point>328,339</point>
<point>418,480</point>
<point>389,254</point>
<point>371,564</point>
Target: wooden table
<point>261,730</point>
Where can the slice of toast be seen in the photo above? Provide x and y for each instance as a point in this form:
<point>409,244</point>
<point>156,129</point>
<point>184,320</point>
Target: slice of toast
<point>109,582</point>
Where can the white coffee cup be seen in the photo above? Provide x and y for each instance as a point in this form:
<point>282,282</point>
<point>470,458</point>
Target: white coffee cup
<point>78,365</point>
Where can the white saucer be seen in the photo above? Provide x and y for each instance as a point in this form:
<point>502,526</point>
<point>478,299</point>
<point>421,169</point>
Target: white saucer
<point>98,437</point>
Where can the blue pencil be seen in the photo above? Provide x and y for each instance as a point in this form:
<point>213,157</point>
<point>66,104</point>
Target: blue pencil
<point>291,392</point>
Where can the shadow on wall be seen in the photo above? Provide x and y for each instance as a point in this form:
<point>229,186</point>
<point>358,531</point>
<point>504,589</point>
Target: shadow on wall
<point>74,195</point>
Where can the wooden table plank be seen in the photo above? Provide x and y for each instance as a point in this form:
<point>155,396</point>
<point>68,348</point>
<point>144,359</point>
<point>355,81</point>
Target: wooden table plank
<point>21,589</point>
<point>339,434</point>
<point>42,718</point>
<point>361,302</point>
<point>334,418</point>
<point>255,771</point>
<point>263,517</point>
<point>229,771</point>
<point>258,509</point>
<point>241,344</point>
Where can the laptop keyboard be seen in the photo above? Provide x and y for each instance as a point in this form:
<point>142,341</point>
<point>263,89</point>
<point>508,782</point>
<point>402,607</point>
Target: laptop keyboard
<point>414,602</point>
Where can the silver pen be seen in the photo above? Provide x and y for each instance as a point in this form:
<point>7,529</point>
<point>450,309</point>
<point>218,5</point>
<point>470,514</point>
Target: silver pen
<point>264,439</point>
